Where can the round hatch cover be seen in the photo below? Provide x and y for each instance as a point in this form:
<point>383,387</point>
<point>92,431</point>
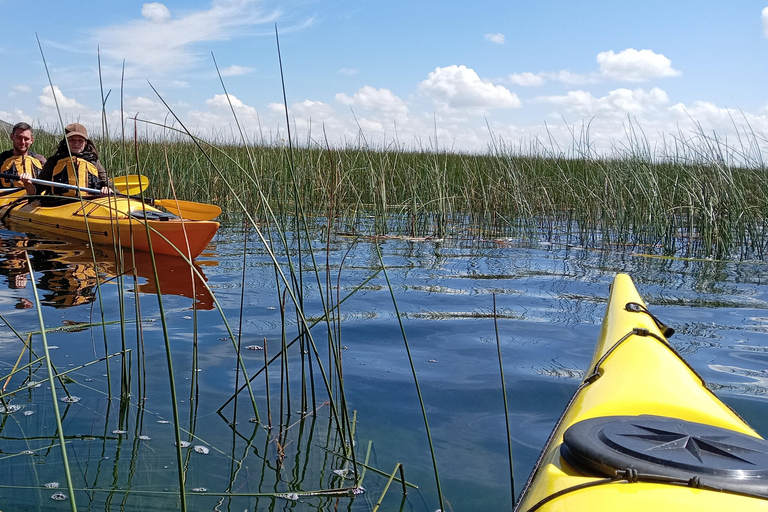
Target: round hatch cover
<point>669,447</point>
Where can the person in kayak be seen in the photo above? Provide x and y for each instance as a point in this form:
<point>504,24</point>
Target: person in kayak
<point>20,160</point>
<point>81,168</point>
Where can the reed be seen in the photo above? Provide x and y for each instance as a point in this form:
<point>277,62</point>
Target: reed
<point>697,196</point>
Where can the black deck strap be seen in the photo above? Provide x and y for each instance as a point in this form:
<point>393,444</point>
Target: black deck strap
<point>568,490</point>
<point>635,307</point>
<point>632,476</point>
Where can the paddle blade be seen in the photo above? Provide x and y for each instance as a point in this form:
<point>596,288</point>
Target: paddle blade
<point>190,210</point>
<point>131,185</point>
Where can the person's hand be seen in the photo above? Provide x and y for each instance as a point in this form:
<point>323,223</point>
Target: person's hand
<point>26,181</point>
<point>20,281</point>
<point>107,191</point>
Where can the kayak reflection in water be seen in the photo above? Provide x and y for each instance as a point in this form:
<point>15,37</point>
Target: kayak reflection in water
<point>68,276</point>
<point>68,284</point>
<point>13,265</point>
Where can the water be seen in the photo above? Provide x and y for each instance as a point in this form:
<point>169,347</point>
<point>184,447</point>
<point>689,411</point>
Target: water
<point>549,302</point>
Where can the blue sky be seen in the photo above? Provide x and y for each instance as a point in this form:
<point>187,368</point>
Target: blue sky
<point>528,73</point>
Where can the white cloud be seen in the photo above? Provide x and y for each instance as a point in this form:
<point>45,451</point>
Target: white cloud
<point>219,102</point>
<point>64,103</point>
<point>163,44</point>
<point>347,71</point>
<point>765,22</point>
<point>567,77</point>
<point>156,12</point>
<point>459,88</point>
<point>526,79</point>
<point>369,98</point>
<point>17,116</point>
<point>635,66</point>
<point>310,109</point>
<point>495,38</point>
<point>22,88</point>
<point>621,102</point>
<point>235,70</point>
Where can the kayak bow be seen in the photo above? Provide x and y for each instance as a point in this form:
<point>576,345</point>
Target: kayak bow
<point>643,430</point>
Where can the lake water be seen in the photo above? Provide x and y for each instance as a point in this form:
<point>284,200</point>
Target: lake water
<point>549,304</point>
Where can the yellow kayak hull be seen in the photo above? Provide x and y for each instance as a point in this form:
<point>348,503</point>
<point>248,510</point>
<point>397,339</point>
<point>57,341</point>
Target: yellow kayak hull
<point>111,221</point>
<point>632,376</point>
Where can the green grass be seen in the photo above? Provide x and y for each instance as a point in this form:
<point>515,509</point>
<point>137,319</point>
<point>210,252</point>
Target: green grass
<point>702,198</point>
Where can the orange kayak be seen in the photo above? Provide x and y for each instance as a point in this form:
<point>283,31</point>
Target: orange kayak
<point>111,221</point>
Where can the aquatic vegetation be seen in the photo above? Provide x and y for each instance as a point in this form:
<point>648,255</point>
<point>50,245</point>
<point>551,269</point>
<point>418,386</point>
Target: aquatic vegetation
<point>697,197</point>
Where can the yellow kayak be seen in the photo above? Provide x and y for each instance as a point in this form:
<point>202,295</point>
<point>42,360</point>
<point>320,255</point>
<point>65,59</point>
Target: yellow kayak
<point>111,221</point>
<point>643,432</point>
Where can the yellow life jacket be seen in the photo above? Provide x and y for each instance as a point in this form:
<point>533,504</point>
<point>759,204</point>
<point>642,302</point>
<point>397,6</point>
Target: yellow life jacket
<point>75,171</point>
<point>19,164</point>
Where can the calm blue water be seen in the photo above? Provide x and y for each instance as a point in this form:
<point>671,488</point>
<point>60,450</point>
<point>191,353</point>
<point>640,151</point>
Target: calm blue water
<point>549,300</point>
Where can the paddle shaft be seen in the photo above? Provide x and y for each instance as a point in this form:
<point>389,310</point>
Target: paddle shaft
<point>53,184</point>
<point>189,209</point>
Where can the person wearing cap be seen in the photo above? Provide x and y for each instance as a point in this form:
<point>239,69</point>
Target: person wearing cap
<point>76,162</point>
<point>20,160</point>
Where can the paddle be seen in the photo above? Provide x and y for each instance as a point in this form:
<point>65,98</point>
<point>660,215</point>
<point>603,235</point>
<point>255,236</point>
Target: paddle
<point>186,209</point>
<point>131,185</point>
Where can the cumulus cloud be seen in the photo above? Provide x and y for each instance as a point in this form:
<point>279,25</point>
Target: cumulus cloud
<point>495,38</point>
<point>635,65</point>
<point>526,79</point>
<point>311,109</point>
<point>156,12</point>
<point>370,98</point>
<point>219,102</point>
<point>16,116</point>
<point>621,102</point>
<point>459,88</point>
<point>64,103</point>
<point>164,44</point>
<point>765,22</point>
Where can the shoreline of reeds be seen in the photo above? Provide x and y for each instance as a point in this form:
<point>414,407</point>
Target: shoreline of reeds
<point>701,199</point>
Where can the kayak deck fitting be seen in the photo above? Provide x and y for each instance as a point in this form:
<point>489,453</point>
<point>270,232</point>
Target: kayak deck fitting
<point>111,220</point>
<point>643,430</point>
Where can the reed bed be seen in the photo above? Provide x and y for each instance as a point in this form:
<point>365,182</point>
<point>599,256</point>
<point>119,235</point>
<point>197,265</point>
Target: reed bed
<point>697,198</point>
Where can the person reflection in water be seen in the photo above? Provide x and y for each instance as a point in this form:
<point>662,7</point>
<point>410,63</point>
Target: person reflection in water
<point>13,265</point>
<point>67,284</point>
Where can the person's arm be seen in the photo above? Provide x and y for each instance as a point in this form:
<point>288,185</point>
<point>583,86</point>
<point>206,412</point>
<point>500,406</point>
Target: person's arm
<point>45,174</point>
<point>103,180</point>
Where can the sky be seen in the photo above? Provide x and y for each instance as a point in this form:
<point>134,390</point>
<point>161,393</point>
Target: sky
<point>460,76</point>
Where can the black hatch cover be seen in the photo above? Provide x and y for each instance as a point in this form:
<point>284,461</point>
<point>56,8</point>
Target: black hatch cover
<point>668,447</point>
